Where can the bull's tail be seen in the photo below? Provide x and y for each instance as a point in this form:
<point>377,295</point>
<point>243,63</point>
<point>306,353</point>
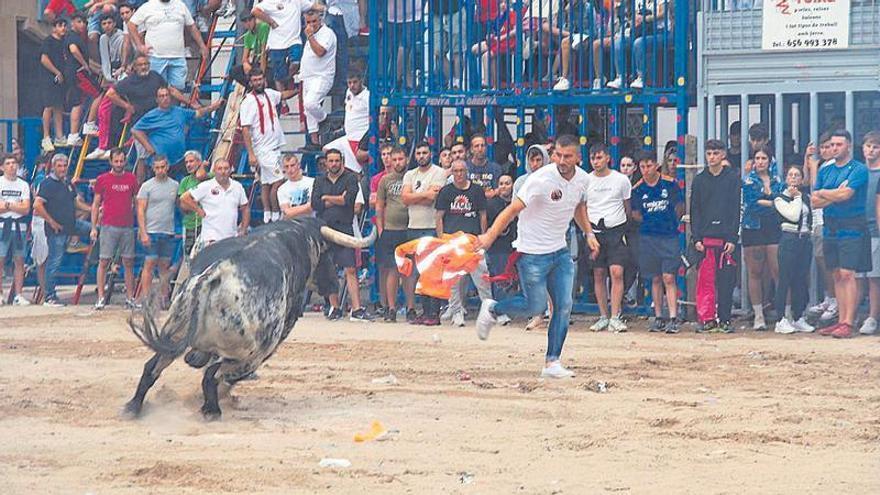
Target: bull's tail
<point>178,332</point>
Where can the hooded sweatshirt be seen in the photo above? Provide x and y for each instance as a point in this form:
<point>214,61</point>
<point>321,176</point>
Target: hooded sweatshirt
<point>522,180</point>
<point>715,205</point>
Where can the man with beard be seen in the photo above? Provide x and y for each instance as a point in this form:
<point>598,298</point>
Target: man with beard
<point>546,204</point>
<point>263,138</point>
<point>391,221</point>
<point>333,198</point>
<point>114,198</point>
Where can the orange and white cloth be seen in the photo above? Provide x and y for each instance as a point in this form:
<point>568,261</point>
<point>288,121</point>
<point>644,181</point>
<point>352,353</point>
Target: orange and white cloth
<point>440,262</point>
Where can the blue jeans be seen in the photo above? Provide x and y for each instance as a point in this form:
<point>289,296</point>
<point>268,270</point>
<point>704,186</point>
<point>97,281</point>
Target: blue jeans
<point>173,70</point>
<point>540,274</point>
<point>645,51</point>
<point>57,247</point>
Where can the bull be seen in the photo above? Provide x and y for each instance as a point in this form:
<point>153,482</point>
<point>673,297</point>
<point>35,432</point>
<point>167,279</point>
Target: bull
<point>241,300</point>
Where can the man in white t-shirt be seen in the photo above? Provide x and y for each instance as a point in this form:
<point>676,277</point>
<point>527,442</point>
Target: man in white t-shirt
<point>295,195</point>
<point>219,201</point>
<point>608,193</point>
<point>15,204</point>
<point>546,204</point>
<point>317,72</point>
<point>357,122</point>
<point>165,22</point>
<point>263,138</point>
<point>284,43</point>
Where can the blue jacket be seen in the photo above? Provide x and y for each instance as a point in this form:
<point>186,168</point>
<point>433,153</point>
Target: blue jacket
<point>753,190</point>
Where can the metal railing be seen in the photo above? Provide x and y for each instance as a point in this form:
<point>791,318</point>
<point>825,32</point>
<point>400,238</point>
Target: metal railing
<point>522,45</point>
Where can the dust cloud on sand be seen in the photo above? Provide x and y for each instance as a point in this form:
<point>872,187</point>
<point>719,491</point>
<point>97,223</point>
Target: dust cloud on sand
<point>646,413</point>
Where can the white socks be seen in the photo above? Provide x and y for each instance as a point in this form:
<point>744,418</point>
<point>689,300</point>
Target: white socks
<point>759,315</point>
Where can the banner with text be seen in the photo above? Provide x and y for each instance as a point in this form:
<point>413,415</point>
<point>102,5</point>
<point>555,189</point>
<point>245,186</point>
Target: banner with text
<point>805,24</point>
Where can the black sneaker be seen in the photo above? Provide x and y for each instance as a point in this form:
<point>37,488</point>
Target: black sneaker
<point>334,314</point>
<point>390,315</point>
<point>725,327</point>
<point>706,326</point>
<point>360,314</point>
<point>672,326</point>
<point>411,315</point>
<point>658,325</point>
<point>379,311</point>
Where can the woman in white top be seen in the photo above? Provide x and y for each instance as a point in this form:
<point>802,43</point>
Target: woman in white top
<point>794,253</point>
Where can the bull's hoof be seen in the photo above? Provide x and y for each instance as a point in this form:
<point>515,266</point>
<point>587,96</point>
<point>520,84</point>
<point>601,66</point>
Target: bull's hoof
<point>211,413</point>
<point>131,410</point>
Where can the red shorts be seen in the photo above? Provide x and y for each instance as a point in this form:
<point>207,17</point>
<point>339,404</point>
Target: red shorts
<point>87,84</point>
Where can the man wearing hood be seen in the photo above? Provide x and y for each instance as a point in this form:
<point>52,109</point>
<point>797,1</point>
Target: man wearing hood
<point>536,157</point>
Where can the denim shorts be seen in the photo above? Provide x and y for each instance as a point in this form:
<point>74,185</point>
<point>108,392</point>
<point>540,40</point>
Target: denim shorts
<point>161,246</point>
<point>112,239</point>
<point>13,245</point>
<point>173,70</point>
<point>280,61</point>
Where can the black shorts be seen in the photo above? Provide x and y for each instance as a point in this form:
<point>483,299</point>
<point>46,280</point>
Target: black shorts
<point>767,235</point>
<point>848,249</point>
<point>386,244</point>
<point>613,248</point>
<point>343,257</point>
<point>66,94</point>
<point>658,255</point>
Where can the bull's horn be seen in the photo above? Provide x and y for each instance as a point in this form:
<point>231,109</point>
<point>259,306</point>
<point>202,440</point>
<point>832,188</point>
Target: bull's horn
<point>346,240</point>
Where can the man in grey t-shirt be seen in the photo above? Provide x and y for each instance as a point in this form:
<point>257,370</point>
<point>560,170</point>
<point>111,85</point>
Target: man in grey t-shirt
<point>156,202</point>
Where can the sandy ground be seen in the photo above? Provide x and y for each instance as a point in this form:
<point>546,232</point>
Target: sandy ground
<point>682,414</point>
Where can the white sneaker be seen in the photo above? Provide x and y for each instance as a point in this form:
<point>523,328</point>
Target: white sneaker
<point>577,39</point>
<point>74,140</point>
<point>98,154</point>
<point>869,327</point>
<point>503,320</point>
<point>820,308</point>
<point>616,83</point>
<point>617,325</point>
<point>100,304</point>
<point>20,301</point>
<point>485,320</point>
<point>601,324</point>
<point>458,320</point>
<point>47,145</point>
<point>785,326</point>
<point>446,315</point>
<point>802,326</point>
<point>597,84</point>
<point>562,85</point>
<point>555,370</point>
<point>830,312</point>
<point>638,83</point>
<point>759,324</point>
<point>90,129</point>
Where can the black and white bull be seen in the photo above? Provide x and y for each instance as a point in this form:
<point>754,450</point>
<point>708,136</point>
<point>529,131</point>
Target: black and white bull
<point>239,303</point>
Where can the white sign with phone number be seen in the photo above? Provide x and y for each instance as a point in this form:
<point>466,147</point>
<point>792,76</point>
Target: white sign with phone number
<point>805,24</point>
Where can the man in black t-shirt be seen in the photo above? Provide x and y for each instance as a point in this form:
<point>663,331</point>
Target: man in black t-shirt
<point>500,250</point>
<point>461,207</point>
<point>136,95</point>
<point>57,203</point>
<point>333,198</point>
<point>58,82</point>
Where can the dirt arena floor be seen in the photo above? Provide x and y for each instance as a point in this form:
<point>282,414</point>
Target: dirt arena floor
<point>646,413</point>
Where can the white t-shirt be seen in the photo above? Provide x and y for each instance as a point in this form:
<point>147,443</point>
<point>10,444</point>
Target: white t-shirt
<point>221,208</point>
<point>296,193</point>
<point>605,197</point>
<point>288,15</point>
<point>422,216</point>
<point>357,114</point>
<point>13,191</point>
<point>315,66</point>
<point>550,204</point>
<point>164,24</point>
<point>270,135</point>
